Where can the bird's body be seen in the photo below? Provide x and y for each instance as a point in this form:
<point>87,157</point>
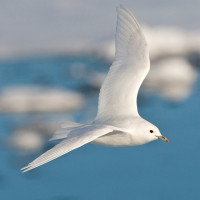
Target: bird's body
<point>129,135</point>
<point>117,122</point>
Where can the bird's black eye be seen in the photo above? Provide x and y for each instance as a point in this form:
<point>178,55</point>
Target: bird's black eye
<point>151,131</point>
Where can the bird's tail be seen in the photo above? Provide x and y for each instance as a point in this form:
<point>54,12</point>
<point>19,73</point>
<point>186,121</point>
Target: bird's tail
<point>64,130</point>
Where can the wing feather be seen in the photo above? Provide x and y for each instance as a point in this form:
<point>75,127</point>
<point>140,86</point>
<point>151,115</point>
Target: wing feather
<point>77,138</point>
<point>65,130</point>
<point>118,94</point>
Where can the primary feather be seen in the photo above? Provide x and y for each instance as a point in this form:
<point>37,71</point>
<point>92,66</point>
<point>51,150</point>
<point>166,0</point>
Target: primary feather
<point>77,138</point>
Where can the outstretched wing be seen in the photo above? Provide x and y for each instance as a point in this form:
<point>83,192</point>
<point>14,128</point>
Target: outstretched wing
<point>75,139</point>
<point>118,94</point>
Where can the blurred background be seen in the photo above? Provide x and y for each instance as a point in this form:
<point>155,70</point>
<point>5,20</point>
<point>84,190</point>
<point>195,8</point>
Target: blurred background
<point>54,56</point>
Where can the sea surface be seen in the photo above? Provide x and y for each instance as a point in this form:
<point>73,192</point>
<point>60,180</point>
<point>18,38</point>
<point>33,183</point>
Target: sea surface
<point>156,170</point>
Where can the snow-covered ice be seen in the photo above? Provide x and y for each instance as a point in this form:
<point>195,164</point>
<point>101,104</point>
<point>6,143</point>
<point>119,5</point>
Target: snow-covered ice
<point>39,99</point>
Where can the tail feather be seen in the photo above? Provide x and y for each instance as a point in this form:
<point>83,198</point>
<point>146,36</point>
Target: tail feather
<point>70,124</point>
<point>64,131</point>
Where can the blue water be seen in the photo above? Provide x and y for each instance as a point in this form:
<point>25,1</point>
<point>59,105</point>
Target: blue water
<point>156,170</point>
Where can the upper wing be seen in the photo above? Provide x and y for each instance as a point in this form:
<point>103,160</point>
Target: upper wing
<point>118,94</point>
<point>75,139</point>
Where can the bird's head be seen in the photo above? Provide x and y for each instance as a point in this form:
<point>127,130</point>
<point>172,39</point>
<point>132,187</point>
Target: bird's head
<point>150,132</point>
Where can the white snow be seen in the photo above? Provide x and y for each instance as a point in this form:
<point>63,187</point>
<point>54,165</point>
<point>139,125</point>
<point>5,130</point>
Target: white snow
<point>38,99</point>
<point>173,78</point>
<point>28,141</point>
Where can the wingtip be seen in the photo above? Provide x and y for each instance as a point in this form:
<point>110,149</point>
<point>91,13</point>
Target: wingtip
<point>24,169</point>
<point>124,9</point>
<point>27,168</point>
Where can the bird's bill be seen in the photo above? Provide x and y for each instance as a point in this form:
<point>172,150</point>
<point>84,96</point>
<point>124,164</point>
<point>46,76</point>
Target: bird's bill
<point>162,138</point>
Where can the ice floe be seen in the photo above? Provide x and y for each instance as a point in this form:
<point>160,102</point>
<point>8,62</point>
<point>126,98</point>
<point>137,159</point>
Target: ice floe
<point>39,99</point>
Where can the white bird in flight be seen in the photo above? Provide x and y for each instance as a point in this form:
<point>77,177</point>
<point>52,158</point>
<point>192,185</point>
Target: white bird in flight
<point>118,122</point>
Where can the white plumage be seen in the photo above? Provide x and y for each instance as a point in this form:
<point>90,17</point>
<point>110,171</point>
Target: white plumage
<point>128,70</point>
<point>117,122</point>
<point>77,138</point>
